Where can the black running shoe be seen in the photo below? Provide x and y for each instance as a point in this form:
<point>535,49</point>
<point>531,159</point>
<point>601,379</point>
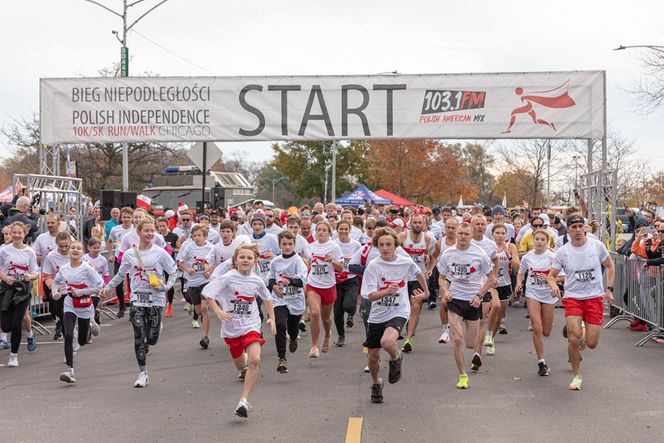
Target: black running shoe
<point>121,312</point>
<point>302,326</point>
<point>349,321</point>
<point>543,369</point>
<point>377,393</point>
<point>205,342</point>
<point>395,370</point>
<point>341,341</point>
<point>292,345</point>
<point>476,362</point>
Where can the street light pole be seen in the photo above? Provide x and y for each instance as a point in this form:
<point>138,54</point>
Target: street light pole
<point>274,182</point>
<point>334,171</point>
<point>653,47</point>
<point>124,66</point>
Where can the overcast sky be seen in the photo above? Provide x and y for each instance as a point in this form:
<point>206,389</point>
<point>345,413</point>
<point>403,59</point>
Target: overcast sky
<point>68,38</point>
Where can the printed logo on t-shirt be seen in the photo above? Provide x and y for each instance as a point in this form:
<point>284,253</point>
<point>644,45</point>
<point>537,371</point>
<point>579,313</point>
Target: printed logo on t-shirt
<point>198,265</point>
<point>143,275</point>
<point>393,299</point>
<point>538,277</point>
<point>14,268</point>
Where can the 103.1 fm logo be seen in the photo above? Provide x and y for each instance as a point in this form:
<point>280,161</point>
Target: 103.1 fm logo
<point>438,101</point>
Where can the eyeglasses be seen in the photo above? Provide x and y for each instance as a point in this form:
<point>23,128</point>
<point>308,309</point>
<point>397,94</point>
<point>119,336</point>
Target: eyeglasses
<point>186,219</point>
<point>660,232</point>
<point>537,226</point>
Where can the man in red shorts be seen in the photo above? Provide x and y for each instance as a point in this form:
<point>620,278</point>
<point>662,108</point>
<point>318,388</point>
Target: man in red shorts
<point>582,259</point>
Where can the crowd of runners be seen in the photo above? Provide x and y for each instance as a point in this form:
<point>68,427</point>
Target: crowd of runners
<point>309,268</point>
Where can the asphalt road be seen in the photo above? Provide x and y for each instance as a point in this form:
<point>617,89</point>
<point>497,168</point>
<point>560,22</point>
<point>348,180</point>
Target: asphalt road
<point>193,392</point>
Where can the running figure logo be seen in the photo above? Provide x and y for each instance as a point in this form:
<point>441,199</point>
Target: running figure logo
<point>557,98</point>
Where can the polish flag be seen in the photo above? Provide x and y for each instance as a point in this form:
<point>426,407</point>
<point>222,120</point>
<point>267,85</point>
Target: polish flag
<point>7,195</point>
<point>143,201</point>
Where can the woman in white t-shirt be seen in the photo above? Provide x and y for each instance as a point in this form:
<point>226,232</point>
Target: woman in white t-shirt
<point>541,300</point>
<point>385,284</point>
<point>18,267</point>
<point>347,282</point>
<point>236,293</point>
<point>326,257</point>
<point>145,263</point>
<point>76,282</point>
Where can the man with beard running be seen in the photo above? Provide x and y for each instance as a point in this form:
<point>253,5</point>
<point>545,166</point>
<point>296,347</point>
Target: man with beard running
<point>417,244</point>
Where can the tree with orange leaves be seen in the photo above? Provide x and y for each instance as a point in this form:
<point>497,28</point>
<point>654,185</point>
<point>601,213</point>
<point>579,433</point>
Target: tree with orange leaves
<point>424,171</point>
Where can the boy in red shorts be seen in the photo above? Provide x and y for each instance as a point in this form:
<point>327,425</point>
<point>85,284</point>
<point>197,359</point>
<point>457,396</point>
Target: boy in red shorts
<point>582,259</point>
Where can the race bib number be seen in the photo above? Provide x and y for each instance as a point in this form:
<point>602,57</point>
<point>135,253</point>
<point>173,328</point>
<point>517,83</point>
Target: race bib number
<point>462,271</point>
<point>585,275</point>
<point>389,301</point>
<point>288,291</point>
<point>198,267</point>
<point>241,309</point>
<point>143,298</point>
<point>264,268</point>
<point>346,261</point>
<point>317,269</point>
<point>538,278</point>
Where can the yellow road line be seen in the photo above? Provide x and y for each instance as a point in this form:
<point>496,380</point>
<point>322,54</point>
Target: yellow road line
<point>354,430</point>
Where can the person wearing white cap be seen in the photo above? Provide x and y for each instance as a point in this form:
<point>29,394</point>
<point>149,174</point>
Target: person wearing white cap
<point>553,233</point>
<point>398,225</point>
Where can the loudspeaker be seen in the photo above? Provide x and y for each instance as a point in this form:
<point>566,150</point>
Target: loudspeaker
<point>128,199</point>
<point>109,199</point>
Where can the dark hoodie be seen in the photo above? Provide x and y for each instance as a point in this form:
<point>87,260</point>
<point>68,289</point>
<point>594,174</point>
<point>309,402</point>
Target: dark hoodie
<point>627,247</point>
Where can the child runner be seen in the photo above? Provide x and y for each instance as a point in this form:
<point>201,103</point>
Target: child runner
<point>171,240</point>
<point>76,282</point>
<point>51,265</point>
<point>385,284</point>
<point>236,293</point>
<point>18,267</point>
<point>286,281</point>
<point>541,301</point>
<point>347,283</point>
<point>191,260</point>
<point>326,257</point>
<point>100,264</point>
<point>147,264</point>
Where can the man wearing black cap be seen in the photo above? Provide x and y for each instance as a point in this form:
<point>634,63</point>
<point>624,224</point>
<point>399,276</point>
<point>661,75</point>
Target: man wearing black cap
<point>582,259</point>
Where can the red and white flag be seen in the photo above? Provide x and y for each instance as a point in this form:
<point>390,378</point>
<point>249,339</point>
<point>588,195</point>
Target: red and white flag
<point>143,201</point>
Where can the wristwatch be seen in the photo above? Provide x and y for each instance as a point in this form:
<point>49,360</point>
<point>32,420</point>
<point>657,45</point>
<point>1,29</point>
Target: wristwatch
<point>610,288</point>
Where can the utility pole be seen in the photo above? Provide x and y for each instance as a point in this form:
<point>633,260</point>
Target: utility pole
<point>548,174</point>
<point>124,66</point>
<point>334,171</point>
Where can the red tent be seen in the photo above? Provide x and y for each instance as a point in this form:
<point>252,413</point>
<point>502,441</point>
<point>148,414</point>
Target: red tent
<point>396,200</point>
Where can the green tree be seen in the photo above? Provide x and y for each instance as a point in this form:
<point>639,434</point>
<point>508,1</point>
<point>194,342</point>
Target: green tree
<point>477,162</point>
<point>304,163</point>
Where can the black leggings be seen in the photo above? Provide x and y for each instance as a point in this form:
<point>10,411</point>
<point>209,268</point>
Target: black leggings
<point>170,295</point>
<point>119,289</point>
<point>147,323</point>
<point>346,302</point>
<point>69,323</point>
<point>285,321</point>
<point>11,320</point>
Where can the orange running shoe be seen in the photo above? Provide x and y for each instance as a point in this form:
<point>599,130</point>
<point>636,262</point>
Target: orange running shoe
<point>169,310</point>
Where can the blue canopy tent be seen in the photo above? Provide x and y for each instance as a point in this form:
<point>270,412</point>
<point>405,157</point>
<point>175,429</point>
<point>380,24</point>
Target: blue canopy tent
<point>359,196</point>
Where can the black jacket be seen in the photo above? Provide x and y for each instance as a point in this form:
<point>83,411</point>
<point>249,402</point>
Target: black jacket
<point>16,215</point>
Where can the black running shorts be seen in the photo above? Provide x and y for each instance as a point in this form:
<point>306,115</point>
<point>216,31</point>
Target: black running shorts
<point>376,330</point>
<point>463,309</point>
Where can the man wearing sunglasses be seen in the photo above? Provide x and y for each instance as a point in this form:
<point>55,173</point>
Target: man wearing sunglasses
<point>272,227</point>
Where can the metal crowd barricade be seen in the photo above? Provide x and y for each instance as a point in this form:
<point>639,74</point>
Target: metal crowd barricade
<point>639,293</point>
<point>38,309</point>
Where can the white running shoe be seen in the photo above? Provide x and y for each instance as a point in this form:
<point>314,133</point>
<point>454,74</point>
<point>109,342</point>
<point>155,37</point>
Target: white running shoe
<point>445,336</point>
<point>142,380</point>
<point>242,408</point>
<point>13,361</point>
<point>366,369</point>
<point>94,328</point>
<point>68,376</point>
<point>195,324</point>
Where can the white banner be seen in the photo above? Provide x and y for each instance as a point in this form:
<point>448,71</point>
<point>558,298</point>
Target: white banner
<point>455,106</point>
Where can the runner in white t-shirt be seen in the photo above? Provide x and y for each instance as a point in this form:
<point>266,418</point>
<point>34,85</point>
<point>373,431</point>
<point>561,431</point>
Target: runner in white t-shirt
<point>490,300</point>
<point>541,301</point>
<point>236,293</point>
<point>385,284</point>
<point>582,259</point>
<point>347,282</point>
<point>191,259</point>
<point>288,273</point>
<point>100,265</point>
<point>467,267</point>
<point>18,267</point>
<point>45,242</point>
<point>145,265</point>
<point>442,245</point>
<point>326,257</point>
<point>76,282</point>
<point>114,239</point>
<point>50,267</point>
